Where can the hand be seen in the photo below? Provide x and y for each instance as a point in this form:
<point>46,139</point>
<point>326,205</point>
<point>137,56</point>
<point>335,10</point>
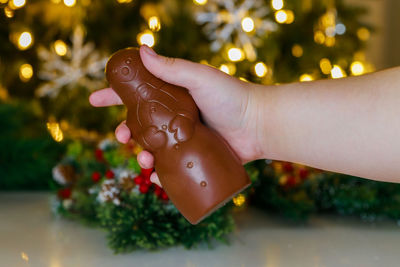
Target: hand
<point>227,104</point>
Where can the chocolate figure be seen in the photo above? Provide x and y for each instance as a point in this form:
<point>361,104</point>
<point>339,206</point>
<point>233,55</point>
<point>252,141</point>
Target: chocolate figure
<point>196,166</point>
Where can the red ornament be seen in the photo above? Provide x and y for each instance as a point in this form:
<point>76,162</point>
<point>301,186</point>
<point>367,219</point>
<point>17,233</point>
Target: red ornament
<point>96,176</point>
<point>138,180</point>
<point>99,154</point>
<point>146,172</point>
<point>157,190</point>
<point>287,167</point>
<point>291,181</point>
<point>144,188</point>
<point>303,173</point>
<point>110,174</point>
<point>64,193</point>
<point>164,195</point>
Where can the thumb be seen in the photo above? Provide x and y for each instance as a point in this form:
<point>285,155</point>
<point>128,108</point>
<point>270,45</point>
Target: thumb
<point>183,72</point>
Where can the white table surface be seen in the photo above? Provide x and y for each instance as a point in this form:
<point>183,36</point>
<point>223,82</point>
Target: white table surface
<point>31,236</point>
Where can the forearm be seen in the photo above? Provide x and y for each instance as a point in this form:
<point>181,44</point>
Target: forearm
<point>348,125</point>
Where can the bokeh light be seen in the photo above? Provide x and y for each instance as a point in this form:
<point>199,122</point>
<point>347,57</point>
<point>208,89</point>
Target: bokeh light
<point>235,54</point>
<point>306,78</point>
<point>357,68</point>
<point>69,3</point>
<point>247,24</point>
<point>25,40</point>
<point>154,23</point>
<point>146,38</point>
<point>337,72</point>
<point>260,69</point>
<point>60,47</point>
<point>25,72</point>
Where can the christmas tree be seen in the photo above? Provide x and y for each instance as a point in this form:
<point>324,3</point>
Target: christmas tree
<point>53,55</point>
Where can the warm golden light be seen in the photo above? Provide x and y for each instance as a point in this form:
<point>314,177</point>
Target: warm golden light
<point>200,2</point>
<point>25,40</point>
<point>60,47</point>
<point>247,24</point>
<point>297,50</point>
<point>224,68</point>
<point>330,41</point>
<point>260,69</point>
<point>235,54</point>
<point>24,256</point>
<point>319,37</point>
<point>239,200</point>
<point>3,93</point>
<point>306,78</point>
<point>55,131</point>
<point>337,72</point>
<point>56,1</point>
<point>146,38</point>
<point>14,4</point>
<point>357,68</point>
<point>325,66</point>
<point>228,68</point>
<point>284,16</point>
<point>363,34</point>
<point>281,16</point>
<point>8,12</point>
<point>154,23</point>
<point>25,72</point>
<point>69,3</point>
<point>277,4</point>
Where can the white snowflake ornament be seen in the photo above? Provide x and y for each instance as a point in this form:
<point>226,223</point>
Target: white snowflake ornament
<point>82,65</point>
<point>241,22</point>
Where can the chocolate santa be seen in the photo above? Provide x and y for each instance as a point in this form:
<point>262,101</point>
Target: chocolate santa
<point>195,165</point>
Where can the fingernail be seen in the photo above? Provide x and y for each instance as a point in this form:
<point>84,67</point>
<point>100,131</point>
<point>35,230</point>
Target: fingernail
<point>149,51</point>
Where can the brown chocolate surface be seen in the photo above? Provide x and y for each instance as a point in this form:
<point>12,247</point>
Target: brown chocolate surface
<point>196,166</point>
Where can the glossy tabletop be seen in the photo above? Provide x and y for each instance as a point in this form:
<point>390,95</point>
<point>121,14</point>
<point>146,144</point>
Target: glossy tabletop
<point>31,236</point>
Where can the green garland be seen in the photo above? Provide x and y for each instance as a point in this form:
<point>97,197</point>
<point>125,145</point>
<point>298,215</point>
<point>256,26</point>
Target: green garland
<point>321,192</point>
<point>104,190</point>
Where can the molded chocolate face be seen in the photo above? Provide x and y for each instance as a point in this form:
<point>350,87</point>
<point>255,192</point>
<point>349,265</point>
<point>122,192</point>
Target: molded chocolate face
<point>124,67</point>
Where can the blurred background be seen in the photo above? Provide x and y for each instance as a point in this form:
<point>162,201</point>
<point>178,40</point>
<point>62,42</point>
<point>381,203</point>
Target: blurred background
<point>53,53</point>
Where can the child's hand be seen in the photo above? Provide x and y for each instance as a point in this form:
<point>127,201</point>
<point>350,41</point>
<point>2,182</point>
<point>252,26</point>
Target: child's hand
<point>227,104</point>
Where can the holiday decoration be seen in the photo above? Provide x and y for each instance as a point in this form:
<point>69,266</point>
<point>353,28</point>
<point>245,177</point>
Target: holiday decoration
<point>164,119</point>
<point>64,66</point>
<point>241,23</point>
<point>134,212</point>
<point>296,191</point>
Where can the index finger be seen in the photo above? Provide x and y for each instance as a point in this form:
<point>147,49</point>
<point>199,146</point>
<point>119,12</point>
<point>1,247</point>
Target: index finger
<point>105,97</point>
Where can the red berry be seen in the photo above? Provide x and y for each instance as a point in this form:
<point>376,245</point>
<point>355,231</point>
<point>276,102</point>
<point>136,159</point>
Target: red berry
<point>164,195</point>
<point>147,181</point>
<point>138,180</point>
<point>143,188</point>
<point>287,167</point>
<point>146,172</point>
<point>64,193</point>
<point>96,176</point>
<point>110,174</point>
<point>99,154</point>
<point>303,173</point>
<point>158,191</point>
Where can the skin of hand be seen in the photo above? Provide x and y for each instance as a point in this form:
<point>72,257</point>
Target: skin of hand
<point>349,125</point>
<point>226,104</point>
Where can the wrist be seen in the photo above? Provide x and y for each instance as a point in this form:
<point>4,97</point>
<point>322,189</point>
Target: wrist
<point>266,118</point>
